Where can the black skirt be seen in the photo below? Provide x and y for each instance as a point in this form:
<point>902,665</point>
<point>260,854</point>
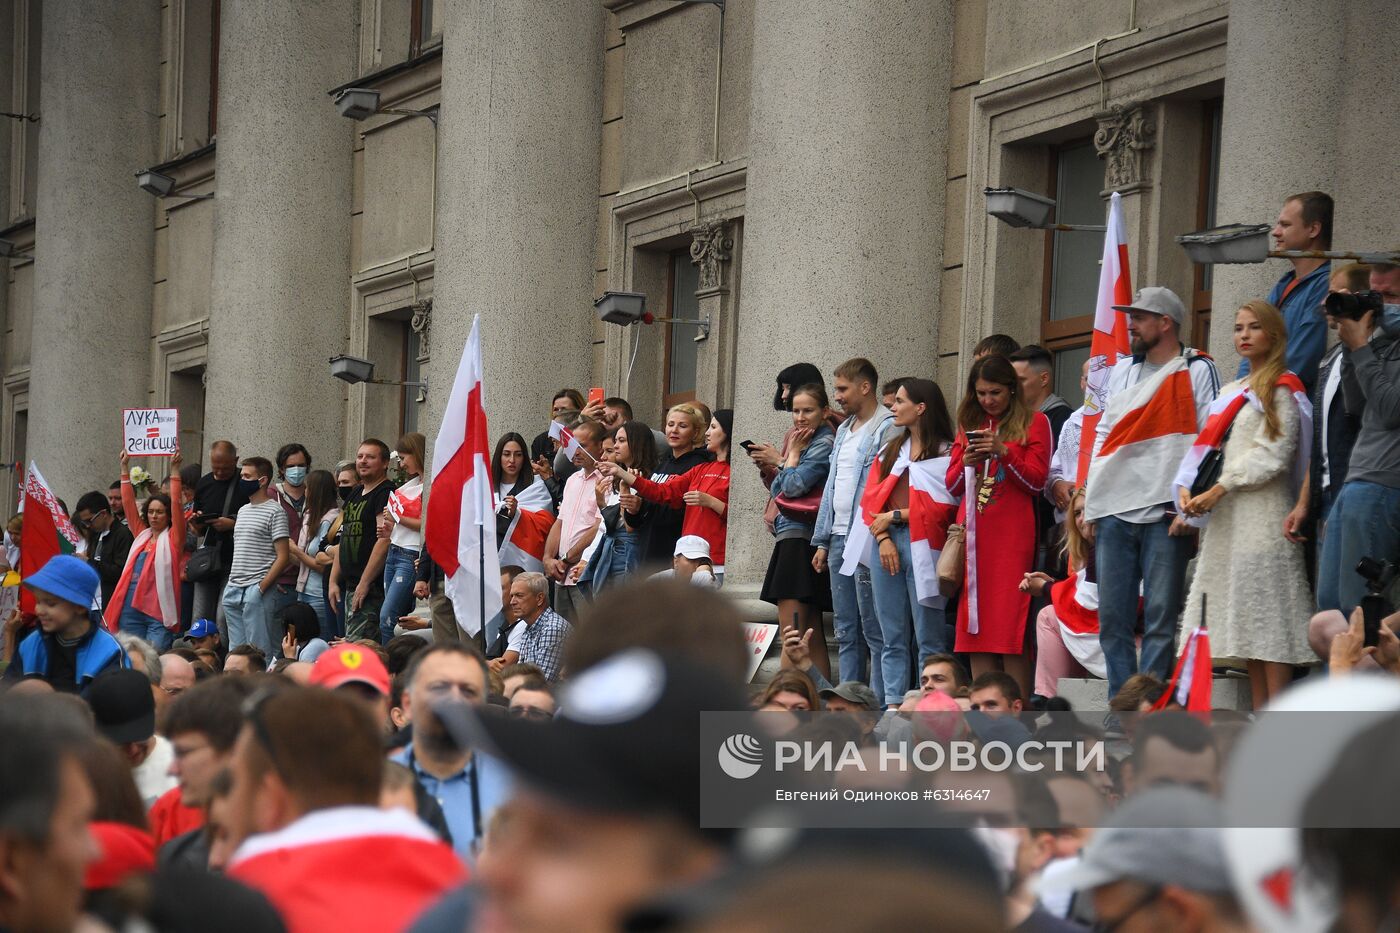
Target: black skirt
<point>790,576</point>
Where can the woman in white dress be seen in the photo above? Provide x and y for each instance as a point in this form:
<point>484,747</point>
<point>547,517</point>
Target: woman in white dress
<point>1258,604</point>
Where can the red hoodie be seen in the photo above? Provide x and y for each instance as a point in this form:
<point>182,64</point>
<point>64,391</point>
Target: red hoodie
<point>349,870</point>
<point>712,478</point>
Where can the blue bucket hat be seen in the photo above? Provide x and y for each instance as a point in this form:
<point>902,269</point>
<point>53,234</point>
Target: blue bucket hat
<point>67,577</point>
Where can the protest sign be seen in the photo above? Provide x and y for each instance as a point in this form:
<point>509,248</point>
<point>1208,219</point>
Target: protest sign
<point>150,432</point>
<point>757,637</point>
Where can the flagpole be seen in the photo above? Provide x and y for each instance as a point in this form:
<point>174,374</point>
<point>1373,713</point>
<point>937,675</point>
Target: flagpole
<point>481,578</point>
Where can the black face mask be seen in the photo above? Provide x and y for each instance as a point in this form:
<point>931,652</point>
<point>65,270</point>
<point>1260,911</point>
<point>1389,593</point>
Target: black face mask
<point>343,492</point>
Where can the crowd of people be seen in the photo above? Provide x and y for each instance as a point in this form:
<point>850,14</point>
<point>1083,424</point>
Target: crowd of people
<point>229,688</point>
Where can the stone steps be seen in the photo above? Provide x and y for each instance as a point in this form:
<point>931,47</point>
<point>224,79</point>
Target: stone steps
<point>1090,693</point>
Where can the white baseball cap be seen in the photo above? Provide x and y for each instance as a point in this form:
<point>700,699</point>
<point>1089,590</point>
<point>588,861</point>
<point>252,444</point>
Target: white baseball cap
<point>692,547</point>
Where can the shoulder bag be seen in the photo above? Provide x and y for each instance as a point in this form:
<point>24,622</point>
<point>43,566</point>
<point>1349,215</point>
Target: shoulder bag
<point>952,561</point>
<point>206,564</point>
<point>1208,473</point>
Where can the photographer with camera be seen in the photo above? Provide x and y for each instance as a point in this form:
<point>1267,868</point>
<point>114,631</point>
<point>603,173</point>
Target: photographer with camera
<point>1365,518</point>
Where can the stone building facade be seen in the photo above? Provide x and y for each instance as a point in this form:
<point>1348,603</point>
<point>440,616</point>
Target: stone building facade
<point>804,176</point>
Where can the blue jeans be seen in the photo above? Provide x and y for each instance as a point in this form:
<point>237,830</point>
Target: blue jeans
<point>1364,522</point>
<point>247,611</point>
<point>900,614</point>
<point>858,636</point>
<point>1130,554</point>
<point>317,601</point>
<point>399,577</point>
<point>135,622</point>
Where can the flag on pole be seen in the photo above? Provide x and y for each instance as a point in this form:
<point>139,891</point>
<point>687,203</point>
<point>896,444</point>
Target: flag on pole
<point>47,531</point>
<point>1190,685</point>
<point>460,533</point>
<point>1110,340</point>
<point>566,439</point>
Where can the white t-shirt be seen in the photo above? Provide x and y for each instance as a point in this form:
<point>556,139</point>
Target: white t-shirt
<point>402,535</point>
<point>846,464</point>
<point>516,636</point>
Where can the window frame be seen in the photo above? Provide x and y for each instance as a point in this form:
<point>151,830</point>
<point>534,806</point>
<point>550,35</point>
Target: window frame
<point>1212,112</point>
<point>1067,332</point>
<point>669,398</point>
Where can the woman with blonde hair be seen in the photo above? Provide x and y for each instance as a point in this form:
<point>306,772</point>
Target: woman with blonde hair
<point>998,465</point>
<point>1256,438</point>
<point>685,429</point>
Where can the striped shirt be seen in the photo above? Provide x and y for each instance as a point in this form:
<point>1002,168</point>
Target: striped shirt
<point>258,526</point>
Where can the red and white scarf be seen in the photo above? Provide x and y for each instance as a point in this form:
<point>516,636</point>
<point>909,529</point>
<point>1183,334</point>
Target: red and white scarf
<point>529,528</point>
<point>931,510</point>
<point>166,588</point>
<point>1222,414</point>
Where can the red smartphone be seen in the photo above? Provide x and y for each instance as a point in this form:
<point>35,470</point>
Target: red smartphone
<point>595,396</point>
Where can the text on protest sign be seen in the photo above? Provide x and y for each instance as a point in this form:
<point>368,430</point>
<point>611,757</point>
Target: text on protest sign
<point>757,637</point>
<point>150,432</point>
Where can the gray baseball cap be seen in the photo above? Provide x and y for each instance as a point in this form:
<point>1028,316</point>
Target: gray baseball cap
<point>853,691</point>
<point>1157,299</point>
<point>1167,835</point>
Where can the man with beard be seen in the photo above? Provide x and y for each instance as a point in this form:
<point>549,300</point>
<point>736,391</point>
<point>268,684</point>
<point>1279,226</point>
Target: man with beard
<point>1146,429</point>
<point>468,785</point>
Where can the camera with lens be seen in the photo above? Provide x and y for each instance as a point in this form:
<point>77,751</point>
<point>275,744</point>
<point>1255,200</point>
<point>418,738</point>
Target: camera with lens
<point>1378,574</point>
<point>1352,306</point>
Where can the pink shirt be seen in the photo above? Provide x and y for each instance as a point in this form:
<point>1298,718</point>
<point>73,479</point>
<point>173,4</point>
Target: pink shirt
<point>578,510</point>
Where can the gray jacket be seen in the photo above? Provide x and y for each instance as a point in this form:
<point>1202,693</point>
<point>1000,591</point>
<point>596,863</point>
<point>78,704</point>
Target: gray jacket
<point>869,449</point>
<point>1371,388</point>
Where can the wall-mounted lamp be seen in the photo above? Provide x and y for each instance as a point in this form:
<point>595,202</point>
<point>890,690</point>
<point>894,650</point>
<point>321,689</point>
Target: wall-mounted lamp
<point>1244,243</point>
<point>9,250</point>
<point>354,370</point>
<point>361,103</point>
<point>1018,208</point>
<point>161,185</point>
<point>628,308</point>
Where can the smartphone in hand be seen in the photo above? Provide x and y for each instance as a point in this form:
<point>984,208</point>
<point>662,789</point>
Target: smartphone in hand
<point>748,446</point>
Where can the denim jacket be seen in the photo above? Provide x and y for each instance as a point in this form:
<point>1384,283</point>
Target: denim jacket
<point>810,472</point>
<point>865,455</point>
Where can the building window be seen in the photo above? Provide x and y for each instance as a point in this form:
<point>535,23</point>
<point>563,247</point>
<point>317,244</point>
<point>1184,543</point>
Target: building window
<point>411,396</point>
<point>420,26</point>
<point>1072,263</point>
<point>1207,191</point>
<point>681,348</point>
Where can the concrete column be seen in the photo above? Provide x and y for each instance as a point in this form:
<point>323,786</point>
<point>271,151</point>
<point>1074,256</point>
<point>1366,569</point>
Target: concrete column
<point>281,278</point>
<point>94,234</point>
<point>1279,131</point>
<point>844,221</point>
<point>517,202</point>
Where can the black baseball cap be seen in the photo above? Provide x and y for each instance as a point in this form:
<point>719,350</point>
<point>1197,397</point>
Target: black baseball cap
<point>626,738</point>
<point>123,706</point>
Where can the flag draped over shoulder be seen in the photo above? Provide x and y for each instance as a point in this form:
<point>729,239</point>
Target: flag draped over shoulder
<point>1076,602</point>
<point>529,529</point>
<point>931,510</point>
<point>1153,425</point>
<point>1222,415</point>
<point>1110,339</point>
<point>460,533</point>
<point>47,531</point>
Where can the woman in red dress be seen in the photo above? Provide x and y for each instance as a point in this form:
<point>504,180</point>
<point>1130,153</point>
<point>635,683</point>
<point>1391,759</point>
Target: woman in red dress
<point>998,465</point>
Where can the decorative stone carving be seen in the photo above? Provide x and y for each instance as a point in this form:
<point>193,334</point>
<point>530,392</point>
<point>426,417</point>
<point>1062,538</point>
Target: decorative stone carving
<point>711,247</point>
<point>1125,134</point>
<point>421,324</point>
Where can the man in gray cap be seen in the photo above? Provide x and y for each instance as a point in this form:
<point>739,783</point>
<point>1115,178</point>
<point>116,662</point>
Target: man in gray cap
<point>1157,864</point>
<point>1145,430</point>
<point>856,700</point>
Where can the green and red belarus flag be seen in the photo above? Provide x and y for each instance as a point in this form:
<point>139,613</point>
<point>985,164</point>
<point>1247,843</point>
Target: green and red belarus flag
<point>47,531</point>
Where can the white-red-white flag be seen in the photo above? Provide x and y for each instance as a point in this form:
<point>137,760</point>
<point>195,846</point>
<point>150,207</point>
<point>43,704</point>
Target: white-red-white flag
<point>566,439</point>
<point>460,533</point>
<point>1110,339</point>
